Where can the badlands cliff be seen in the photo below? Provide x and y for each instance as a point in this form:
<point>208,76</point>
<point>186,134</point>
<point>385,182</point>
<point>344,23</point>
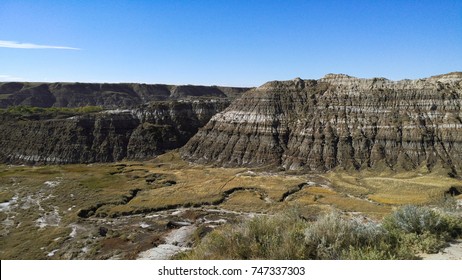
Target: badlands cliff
<point>338,121</point>
<point>135,121</point>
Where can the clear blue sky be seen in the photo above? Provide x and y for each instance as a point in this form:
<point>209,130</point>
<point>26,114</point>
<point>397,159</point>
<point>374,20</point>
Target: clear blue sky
<point>239,43</point>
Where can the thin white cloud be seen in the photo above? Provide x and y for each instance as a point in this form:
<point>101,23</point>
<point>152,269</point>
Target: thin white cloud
<point>16,45</point>
<point>9,78</point>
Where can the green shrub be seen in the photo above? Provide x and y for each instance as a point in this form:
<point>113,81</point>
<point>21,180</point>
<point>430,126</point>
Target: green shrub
<point>380,251</point>
<point>422,229</point>
<point>88,109</point>
<point>452,225</point>
<point>328,237</point>
<point>422,220</point>
<point>414,219</point>
<point>29,110</point>
<point>333,237</point>
<point>402,235</point>
<point>264,237</point>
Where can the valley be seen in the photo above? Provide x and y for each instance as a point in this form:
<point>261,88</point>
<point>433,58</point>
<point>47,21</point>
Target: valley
<point>136,171</point>
<point>156,208</point>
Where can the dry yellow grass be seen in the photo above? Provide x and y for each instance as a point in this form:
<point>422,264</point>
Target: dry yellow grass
<point>351,204</point>
<point>347,182</point>
<point>246,201</point>
<point>195,185</point>
<point>394,188</point>
<point>315,195</point>
<point>203,185</point>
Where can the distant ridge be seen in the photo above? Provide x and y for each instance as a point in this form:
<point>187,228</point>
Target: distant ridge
<point>108,95</point>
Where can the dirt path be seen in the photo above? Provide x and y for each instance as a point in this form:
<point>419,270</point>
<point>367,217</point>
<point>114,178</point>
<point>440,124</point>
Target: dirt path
<point>453,252</point>
<point>175,241</point>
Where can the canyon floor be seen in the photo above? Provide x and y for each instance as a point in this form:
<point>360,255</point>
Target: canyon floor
<point>154,209</point>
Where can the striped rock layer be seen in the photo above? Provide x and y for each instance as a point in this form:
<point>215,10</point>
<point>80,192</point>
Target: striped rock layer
<point>338,121</point>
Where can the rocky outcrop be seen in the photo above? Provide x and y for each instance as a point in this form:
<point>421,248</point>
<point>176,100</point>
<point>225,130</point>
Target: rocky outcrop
<point>111,135</point>
<point>138,121</point>
<point>106,95</point>
<point>338,121</point>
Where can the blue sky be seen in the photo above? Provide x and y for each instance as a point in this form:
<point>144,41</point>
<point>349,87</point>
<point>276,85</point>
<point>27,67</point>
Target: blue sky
<point>218,42</point>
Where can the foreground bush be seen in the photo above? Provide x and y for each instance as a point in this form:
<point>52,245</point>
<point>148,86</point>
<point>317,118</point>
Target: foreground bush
<point>277,237</point>
<point>405,233</point>
<point>332,237</point>
<point>422,229</point>
<point>414,219</point>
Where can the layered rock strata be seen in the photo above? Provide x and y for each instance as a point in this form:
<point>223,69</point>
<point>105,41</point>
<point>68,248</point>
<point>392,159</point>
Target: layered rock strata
<point>138,121</point>
<point>338,121</point>
<point>111,135</point>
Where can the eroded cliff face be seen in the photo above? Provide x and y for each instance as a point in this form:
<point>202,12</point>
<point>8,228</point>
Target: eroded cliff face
<point>338,121</point>
<point>111,135</point>
<point>138,121</point>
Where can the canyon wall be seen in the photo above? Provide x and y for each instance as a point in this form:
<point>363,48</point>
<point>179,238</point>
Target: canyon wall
<point>134,121</point>
<point>338,121</point>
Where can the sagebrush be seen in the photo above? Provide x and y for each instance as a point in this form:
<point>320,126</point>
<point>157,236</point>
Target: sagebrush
<point>404,234</point>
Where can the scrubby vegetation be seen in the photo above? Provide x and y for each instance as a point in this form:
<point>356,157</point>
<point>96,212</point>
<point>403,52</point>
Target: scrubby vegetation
<point>29,110</point>
<point>404,234</point>
<point>422,229</point>
<point>263,237</point>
